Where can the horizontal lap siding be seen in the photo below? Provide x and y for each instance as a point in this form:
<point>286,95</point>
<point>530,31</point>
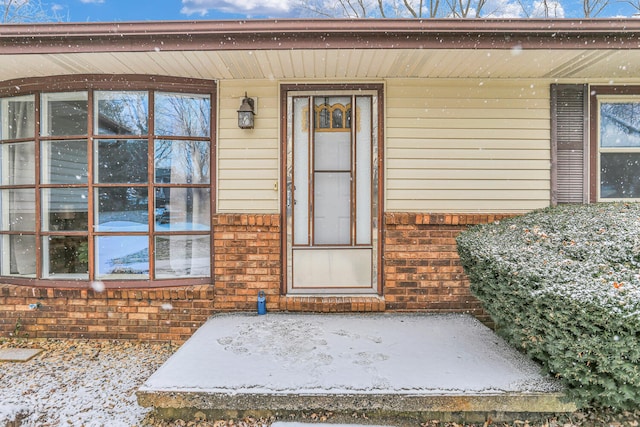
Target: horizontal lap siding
<point>467,146</point>
<point>248,159</point>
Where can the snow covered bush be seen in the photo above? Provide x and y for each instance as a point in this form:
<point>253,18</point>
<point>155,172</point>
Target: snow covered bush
<point>563,284</point>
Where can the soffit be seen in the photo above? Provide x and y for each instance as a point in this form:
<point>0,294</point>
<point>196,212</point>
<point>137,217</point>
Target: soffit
<point>334,64</point>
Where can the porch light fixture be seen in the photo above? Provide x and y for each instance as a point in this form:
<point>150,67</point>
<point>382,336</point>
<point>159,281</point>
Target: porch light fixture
<point>246,113</point>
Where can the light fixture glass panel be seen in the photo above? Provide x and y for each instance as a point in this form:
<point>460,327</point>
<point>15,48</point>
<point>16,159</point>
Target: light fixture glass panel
<point>180,114</point>
<point>121,209</point>
<point>182,162</point>
<point>182,256</point>
<point>121,161</point>
<point>122,257</point>
<point>121,113</point>
<point>65,209</point>
<point>332,209</point>
<point>64,113</point>
<point>64,162</point>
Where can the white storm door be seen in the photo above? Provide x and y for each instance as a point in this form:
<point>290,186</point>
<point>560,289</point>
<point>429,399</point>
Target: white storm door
<point>331,196</point>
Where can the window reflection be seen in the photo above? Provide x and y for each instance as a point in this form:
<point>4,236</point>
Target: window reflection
<point>179,208</point>
<point>125,257</point>
<point>65,209</point>
<point>17,116</point>
<point>121,161</point>
<point>182,162</point>
<point>18,209</point>
<point>18,163</point>
<point>64,113</point>
<point>182,256</point>
<point>65,257</point>
<point>122,209</point>
<point>182,114</point>
<point>64,162</point>
<point>18,255</point>
<point>122,113</point>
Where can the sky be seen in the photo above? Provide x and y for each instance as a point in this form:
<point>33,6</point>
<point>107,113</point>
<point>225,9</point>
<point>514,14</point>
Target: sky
<point>145,10</point>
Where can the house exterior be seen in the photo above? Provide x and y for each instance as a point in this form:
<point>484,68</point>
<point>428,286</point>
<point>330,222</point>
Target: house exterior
<point>135,203</point>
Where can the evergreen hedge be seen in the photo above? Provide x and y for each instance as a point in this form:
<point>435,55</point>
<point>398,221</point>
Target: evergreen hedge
<point>563,284</point>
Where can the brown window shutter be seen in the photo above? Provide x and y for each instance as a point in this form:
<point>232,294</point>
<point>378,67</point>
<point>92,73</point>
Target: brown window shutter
<point>569,143</point>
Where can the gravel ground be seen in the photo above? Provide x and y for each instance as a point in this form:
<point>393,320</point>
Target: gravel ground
<point>92,383</point>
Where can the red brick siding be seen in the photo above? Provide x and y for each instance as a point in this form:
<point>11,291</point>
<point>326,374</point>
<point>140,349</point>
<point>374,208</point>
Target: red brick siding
<point>421,269</point>
<point>247,259</point>
<point>158,314</point>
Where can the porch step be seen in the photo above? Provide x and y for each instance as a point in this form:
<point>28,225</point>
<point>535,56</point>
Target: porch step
<point>333,304</point>
<point>381,366</point>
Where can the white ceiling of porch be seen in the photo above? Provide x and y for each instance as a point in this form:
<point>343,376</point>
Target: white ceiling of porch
<point>335,64</point>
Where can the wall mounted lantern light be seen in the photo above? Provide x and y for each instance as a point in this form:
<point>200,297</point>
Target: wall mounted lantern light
<point>246,113</point>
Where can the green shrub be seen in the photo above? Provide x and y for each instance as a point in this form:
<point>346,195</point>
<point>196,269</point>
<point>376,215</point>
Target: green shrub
<point>563,284</point>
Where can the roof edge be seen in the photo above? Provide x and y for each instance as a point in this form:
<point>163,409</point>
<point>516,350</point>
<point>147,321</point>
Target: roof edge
<point>616,33</point>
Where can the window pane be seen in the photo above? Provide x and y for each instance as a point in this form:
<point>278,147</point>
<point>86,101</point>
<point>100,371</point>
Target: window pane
<point>363,171</point>
<point>64,113</point>
<point>182,162</point>
<point>179,209</point>
<point>19,255</point>
<point>18,210</point>
<point>619,175</point>
<point>122,113</point>
<point>182,256</point>
<point>332,213</point>
<point>122,257</point>
<point>121,161</point>
<point>620,124</point>
<point>121,209</point>
<point>64,162</point>
<point>65,257</point>
<point>332,151</point>
<point>17,115</point>
<point>182,114</point>
<point>65,209</point>
<point>18,162</point>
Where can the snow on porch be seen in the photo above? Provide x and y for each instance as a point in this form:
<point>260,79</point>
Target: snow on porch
<point>395,363</point>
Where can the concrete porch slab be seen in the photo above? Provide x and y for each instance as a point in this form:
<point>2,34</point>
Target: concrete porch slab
<point>380,364</point>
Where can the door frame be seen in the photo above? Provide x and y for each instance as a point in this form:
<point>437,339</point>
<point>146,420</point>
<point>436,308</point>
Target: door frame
<point>285,90</point>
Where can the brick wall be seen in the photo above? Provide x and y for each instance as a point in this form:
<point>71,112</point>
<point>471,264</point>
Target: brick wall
<point>159,314</point>
<point>247,259</point>
<point>422,270</point>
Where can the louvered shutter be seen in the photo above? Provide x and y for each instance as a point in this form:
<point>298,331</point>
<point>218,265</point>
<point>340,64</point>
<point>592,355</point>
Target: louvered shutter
<point>568,142</point>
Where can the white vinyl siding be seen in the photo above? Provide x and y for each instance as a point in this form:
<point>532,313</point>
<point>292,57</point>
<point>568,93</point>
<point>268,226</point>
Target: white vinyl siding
<point>248,159</point>
<point>467,145</point>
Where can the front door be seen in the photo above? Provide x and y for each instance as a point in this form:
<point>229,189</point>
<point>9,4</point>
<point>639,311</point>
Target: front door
<point>332,193</point>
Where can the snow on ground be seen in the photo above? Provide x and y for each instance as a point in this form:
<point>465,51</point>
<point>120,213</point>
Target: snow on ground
<point>78,383</point>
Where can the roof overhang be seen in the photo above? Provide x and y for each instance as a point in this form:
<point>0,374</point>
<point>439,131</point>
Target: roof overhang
<point>327,48</point>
